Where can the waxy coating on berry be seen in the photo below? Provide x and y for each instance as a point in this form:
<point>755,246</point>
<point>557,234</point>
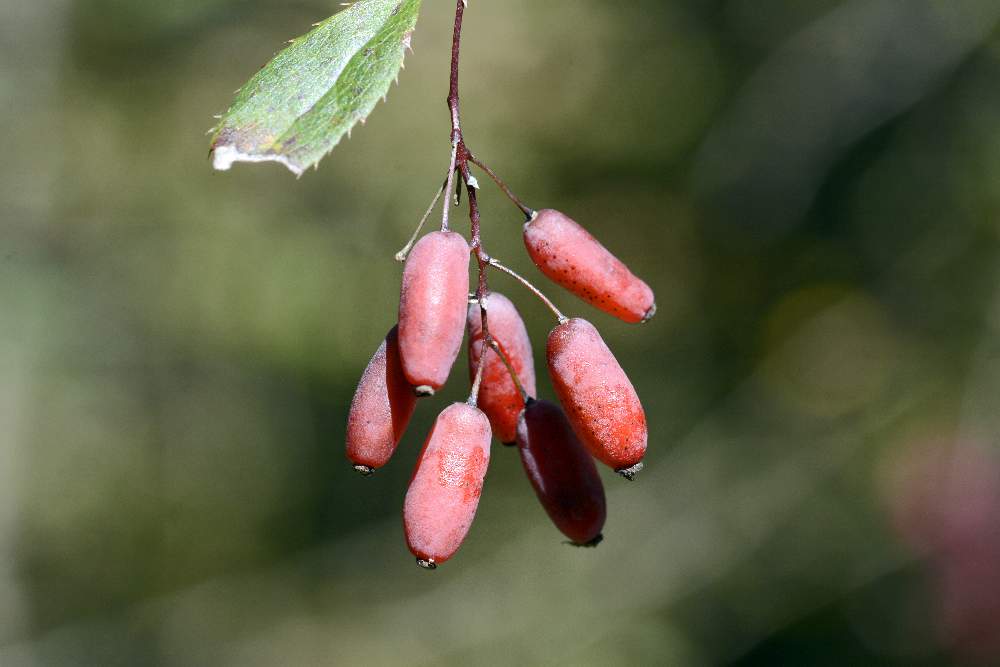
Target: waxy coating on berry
<point>562,472</point>
<point>446,484</point>
<point>432,304</point>
<point>381,409</point>
<point>570,256</point>
<point>599,399</point>
<point>498,396</point>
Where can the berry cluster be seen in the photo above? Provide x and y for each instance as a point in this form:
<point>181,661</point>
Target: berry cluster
<point>603,417</point>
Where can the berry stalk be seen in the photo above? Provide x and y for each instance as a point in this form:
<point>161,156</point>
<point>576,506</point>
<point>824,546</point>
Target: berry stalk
<point>527,210</point>
<point>405,250</point>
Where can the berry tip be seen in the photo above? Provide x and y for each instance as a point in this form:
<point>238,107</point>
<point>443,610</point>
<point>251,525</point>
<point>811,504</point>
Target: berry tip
<point>428,564</point>
<point>649,314</point>
<point>423,391</point>
<point>630,473</point>
<point>587,545</point>
<point>366,471</point>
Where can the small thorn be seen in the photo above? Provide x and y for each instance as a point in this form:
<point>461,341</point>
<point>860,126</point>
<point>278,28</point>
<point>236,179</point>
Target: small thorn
<point>423,390</point>
<point>366,471</point>
<point>428,564</point>
<point>630,473</point>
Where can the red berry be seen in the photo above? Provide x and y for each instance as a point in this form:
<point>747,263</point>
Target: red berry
<point>562,472</point>
<point>446,484</point>
<point>600,401</point>
<point>432,305</point>
<point>498,395</point>
<point>571,257</point>
<point>381,409</point>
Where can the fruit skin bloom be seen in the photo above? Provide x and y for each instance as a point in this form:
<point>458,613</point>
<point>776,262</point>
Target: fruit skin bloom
<point>432,304</point>
<point>381,408</point>
<point>599,399</point>
<point>562,472</point>
<point>446,484</point>
<point>498,395</point>
<point>570,256</point>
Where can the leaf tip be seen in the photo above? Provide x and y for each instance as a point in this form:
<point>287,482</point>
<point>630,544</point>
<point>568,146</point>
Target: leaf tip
<point>223,158</point>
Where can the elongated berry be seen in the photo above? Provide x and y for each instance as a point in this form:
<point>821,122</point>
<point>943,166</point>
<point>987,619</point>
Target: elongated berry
<point>432,303</point>
<point>381,409</point>
<point>562,472</point>
<point>570,256</point>
<point>599,399</point>
<point>446,484</point>
<point>498,395</point>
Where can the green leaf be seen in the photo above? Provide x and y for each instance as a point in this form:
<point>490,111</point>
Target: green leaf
<point>299,105</point>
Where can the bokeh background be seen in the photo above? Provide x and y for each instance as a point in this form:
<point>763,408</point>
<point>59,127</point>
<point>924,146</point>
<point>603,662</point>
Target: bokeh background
<point>812,187</point>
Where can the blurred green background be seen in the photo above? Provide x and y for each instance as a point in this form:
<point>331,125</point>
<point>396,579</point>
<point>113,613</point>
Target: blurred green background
<point>812,187</point>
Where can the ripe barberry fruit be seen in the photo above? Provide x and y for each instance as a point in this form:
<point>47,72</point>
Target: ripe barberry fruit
<point>570,256</point>
<point>381,409</point>
<point>562,472</point>
<point>600,401</point>
<point>432,303</point>
<point>498,395</point>
<point>446,484</point>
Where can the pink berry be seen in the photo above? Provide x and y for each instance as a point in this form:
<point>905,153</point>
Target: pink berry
<point>432,305</point>
<point>498,395</point>
<point>446,484</point>
<point>600,401</point>
<point>381,409</point>
<point>571,257</point>
<point>562,472</point>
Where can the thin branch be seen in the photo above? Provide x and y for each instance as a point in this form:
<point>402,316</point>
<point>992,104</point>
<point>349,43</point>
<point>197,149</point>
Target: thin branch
<point>449,184</point>
<point>474,393</point>
<point>456,49</point>
<point>401,255</point>
<point>498,348</point>
<point>534,290</point>
<point>527,210</point>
